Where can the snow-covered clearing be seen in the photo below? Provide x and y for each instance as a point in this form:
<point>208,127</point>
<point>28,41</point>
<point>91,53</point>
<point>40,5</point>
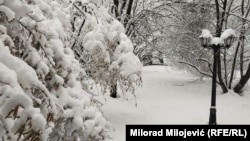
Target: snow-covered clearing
<point>169,96</point>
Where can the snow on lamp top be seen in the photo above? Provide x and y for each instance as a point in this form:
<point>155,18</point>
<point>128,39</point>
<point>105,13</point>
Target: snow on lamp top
<point>228,37</point>
<point>228,33</point>
<point>206,34</point>
<point>217,41</point>
<point>225,40</point>
<point>205,38</point>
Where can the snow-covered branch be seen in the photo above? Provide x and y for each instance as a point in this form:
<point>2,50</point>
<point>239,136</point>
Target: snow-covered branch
<point>108,49</point>
<point>196,68</point>
<point>40,79</point>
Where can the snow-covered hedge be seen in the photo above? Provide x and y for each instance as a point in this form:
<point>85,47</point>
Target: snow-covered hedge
<point>41,92</point>
<point>108,52</point>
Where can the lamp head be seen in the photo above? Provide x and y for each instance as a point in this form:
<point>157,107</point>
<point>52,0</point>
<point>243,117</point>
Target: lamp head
<point>228,36</point>
<point>229,41</point>
<point>205,38</point>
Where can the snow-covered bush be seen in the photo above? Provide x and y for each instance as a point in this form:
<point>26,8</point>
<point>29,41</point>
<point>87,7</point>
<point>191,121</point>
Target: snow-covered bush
<point>103,47</point>
<point>41,94</point>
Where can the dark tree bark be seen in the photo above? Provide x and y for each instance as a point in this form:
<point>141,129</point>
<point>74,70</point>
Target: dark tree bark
<point>222,84</point>
<point>242,57</point>
<point>233,66</point>
<point>220,21</point>
<point>244,78</point>
<point>243,81</point>
<point>123,11</point>
<point>225,66</point>
<point>128,12</point>
<point>242,39</point>
<point>115,8</point>
<point>113,90</point>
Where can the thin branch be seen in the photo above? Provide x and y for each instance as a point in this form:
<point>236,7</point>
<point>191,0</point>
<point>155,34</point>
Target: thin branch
<point>239,16</point>
<point>196,68</point>
<point>208,63</point>
<point>79,10</point>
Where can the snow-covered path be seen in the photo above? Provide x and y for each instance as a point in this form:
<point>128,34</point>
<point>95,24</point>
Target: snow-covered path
<point>169,96</point>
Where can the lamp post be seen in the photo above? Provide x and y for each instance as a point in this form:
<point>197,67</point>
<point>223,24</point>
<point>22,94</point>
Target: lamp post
<point>208,41</point>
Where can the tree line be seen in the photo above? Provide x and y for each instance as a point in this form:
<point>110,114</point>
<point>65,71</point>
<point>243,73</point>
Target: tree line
<point>173,28</point>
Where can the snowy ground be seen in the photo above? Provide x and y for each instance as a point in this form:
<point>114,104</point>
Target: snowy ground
<point>169,96</point>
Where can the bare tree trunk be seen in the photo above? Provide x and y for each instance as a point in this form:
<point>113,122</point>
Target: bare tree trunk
<point>227,10</point>
<point>243,81</point>
<point>244,78</point>
<point>242,39</point>
<point>225,66</point>
<point>115,8</point>
<point>220,21</point>
<point>113,90</point>
<point>128,12</point>
<point>242,56</point>
<point>233,66</point>
<point>222,84</point>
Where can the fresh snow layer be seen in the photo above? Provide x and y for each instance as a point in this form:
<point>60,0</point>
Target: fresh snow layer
<point>228,33</point>
<point>169,96</point>
<point>206,34</point>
